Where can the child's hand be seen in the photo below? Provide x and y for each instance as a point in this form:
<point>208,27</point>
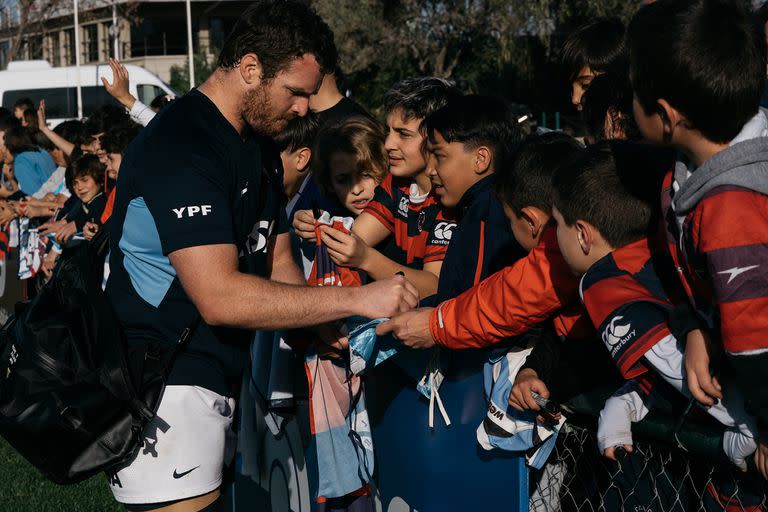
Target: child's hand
<point>410,328</point>
<point>304,224</point>
<point>610,452</point>
<point>50,227</point>
<point>66,232</point>
<point>700,355</point>
<point>761,457</point>
<point>89,230</point>
<point>344,249</point>
<point>520,397</point>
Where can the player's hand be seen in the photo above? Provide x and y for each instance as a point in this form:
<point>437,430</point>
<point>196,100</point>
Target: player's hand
<point>304,225</point>
<point>41,121</point>
<point>118,89</point>
<point>701,356</point>
<point>347,250</point>
<point>610,452</point>
<point>526,381</point>
<point>66,232</point>
<point>89,230</point>
<point>385,298</point>
<point>411,328</point>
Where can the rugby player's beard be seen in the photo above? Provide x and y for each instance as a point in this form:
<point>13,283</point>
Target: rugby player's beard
<point>258,113</point>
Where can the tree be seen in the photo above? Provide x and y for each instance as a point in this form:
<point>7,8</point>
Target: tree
<point>203,69</point>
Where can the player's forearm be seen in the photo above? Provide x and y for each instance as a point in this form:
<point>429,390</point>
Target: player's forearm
<point>379,266</point>
<point>251,302</point>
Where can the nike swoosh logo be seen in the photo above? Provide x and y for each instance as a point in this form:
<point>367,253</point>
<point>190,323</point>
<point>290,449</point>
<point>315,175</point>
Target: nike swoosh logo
<point>178,475</point>
<point>735,272</point>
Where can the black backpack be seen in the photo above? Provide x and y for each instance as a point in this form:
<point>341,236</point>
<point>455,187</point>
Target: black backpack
<point>73,399</point>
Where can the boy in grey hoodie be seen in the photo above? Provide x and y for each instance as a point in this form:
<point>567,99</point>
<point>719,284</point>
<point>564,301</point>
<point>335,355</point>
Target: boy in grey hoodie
<point>698,70</point>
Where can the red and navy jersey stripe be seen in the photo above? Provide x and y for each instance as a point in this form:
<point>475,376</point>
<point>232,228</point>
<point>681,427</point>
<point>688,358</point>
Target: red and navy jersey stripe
<point>722,256</point>
<point>421,231</point>
<point>627,295</point>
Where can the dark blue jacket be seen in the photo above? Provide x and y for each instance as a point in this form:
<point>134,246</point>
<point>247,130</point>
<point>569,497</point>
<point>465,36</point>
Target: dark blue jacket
<point>482,243</point>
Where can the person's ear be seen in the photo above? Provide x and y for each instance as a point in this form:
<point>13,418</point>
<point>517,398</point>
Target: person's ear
<point>483,159</point>
<point>586,236</point>
<point>535,219</point>
<point>671,118</point>
<point>303,155</point>
<point>250,69</point>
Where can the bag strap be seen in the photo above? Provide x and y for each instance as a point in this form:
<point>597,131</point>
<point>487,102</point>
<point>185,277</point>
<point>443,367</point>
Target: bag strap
<point>168,358</point>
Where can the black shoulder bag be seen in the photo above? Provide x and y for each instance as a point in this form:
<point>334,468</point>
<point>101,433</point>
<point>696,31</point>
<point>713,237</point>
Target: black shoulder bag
<point>72,402</point>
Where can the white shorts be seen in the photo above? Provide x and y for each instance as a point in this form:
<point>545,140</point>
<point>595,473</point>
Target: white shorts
<point>185,449</point>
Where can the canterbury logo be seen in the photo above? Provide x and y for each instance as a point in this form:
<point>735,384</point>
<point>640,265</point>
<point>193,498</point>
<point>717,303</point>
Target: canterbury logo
<point>614,333</point>
<point>444,230</point>
<point>403,206</point>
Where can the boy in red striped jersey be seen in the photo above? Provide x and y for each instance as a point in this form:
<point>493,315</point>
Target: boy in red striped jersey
<point>404,206</point>
<point>698,70</point>
<point>606,231</point>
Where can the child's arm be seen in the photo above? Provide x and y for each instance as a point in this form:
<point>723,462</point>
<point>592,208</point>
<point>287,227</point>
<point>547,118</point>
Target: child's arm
<point>614,429</point>
<point>666,359</point>
<point>58,141</point>
<point>526,382</point>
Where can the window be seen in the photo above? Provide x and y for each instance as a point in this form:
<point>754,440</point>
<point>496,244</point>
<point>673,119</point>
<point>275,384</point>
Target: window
<point>155,36</point>
<point>69,47</point>
<point>106,41</point>
<point>147,93</point>
<point>219,30</point>
<point>91,42</point>
<point>54,48</point>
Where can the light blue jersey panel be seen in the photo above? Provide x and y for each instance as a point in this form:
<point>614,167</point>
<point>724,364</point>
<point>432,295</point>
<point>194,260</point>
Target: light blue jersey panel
<point>150,270</point>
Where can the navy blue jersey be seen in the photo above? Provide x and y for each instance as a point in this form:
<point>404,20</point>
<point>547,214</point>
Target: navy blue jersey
<point>482,242</point>
<point>189,179</point>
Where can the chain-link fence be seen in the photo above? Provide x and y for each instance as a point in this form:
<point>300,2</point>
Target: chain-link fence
<point>675,466</point>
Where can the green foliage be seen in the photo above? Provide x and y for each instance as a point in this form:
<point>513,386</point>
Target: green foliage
<point>491,46</point>
<point>203,69</point>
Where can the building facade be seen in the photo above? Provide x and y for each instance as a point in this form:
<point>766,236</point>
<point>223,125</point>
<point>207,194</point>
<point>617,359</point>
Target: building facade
<point>149,33</point>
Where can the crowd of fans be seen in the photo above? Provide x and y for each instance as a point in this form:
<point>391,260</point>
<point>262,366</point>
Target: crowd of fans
<point>514,236</point>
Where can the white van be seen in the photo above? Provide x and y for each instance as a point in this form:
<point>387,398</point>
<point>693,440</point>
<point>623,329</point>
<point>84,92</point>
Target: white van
<point>37,80</point>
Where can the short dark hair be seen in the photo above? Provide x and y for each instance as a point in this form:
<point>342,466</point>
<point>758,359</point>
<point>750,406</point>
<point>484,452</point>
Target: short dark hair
<point>43,141</point>
<point>72,131</point>
<point>598,45</point>
<point>161,100</point>
<point>614,185</point>
<point>300,133</point>
<point>419,97</point>
<point>279,31</point>
<point>24,104</point>
<point>701,56</point>
<point>8,122</point>
<point>609,94</point>
<point>476,121</point>
<point>19,139</point>
<point>116,139</point>
<point>360,136</point>
<point>87,165</point>
<point>527,180</point>
<point>104,118</point>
